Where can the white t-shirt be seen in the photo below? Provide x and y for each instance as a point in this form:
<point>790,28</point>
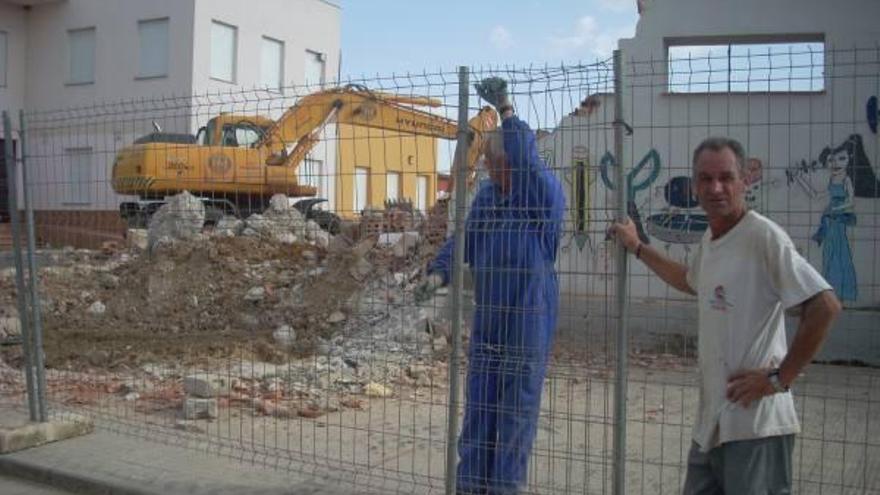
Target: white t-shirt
<point>744,281</point>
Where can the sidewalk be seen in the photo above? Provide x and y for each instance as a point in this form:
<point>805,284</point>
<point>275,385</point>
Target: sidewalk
<point>110,463</point>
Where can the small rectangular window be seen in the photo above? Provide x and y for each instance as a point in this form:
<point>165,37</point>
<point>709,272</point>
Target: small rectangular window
<point>312,174</point>
<point>153,55</point>
<point>272,64</point>
<point>361,188</point>
<point>422,193</point>
<point>392,186</point>
<point>79,176</point>
<point>81,56</point>
<point>4,42</point>
<point>315,67</point>
<point>746,67</point>
<point>224,46</point>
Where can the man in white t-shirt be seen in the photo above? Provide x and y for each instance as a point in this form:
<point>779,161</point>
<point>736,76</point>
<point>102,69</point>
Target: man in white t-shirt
<point>745,273</point>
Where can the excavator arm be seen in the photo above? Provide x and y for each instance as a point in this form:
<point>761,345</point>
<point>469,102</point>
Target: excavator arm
<point>302,123</point>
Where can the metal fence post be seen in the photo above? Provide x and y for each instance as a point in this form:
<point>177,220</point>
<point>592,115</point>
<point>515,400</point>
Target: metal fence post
<point>460,193</point>
<point>21,290</point>
<point>620,386</point>
<point>37,349</point>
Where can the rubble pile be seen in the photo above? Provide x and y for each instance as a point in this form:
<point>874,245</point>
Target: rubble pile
<point>332,318</point>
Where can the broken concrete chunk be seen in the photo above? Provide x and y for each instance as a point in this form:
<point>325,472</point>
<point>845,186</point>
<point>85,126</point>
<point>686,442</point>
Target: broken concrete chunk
<point>181,217</point>
<point>407,243</point>
<point>137,239</point>
<point>206,385</point>
<point>286,238</point>
<point>336,317</point>
<point>374,389</point>
<point>322,239</point>
<point>197,408</point>
<point>279,203</point>
<point>10,327</point>
<point>229,226</point>
<point>255,294</point>
<point>388,239</point>
<point>285,336</point>
<point>97,308</point>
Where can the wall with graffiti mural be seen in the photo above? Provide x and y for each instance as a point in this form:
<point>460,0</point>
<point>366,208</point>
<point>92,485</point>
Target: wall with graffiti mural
<point>813,167</point>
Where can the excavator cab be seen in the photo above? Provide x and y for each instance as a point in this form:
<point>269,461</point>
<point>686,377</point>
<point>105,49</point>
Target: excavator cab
<point>234,130</point>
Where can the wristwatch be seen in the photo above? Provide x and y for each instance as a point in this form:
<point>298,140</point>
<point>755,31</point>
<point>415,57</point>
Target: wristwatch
<point>778,387</point>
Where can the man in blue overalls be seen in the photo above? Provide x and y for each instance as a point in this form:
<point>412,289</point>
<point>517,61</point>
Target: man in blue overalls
<point>511,241</point>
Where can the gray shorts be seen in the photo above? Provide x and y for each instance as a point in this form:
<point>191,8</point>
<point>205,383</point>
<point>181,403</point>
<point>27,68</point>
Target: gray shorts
<point>747,467</point>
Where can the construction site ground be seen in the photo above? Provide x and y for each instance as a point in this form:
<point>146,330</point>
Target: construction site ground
<point>285,348</point>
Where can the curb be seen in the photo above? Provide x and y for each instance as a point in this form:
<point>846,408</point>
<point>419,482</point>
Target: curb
<point>66,481</point>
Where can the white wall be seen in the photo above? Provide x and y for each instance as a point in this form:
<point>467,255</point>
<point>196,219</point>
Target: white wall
<point>779,129</point>
<point>13,22</point>
<point>116,55</point>
<point>302,25</point>
<point>119,106</point>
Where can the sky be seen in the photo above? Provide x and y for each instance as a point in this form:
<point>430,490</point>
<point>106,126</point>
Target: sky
<point>388,37</point>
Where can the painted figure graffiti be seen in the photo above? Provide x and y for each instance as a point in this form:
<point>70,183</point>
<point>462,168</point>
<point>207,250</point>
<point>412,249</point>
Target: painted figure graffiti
<point>850,176</point>
<point>681,222</point>
<point>757,185</point>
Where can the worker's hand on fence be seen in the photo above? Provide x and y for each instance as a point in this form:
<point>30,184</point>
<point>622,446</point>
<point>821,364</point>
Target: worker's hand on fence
<point>745,387</point>
<point>428,287</point>
<point>494,91</point>
<point>625,233</point>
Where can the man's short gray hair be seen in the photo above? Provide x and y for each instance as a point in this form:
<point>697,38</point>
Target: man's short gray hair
<point>717,143</point>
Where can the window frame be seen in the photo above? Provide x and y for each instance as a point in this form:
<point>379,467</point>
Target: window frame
<point>167,55</point>
<point>70,79</point>
<point>234,65</point>
<point>314,55</point>
<point>281,66</point>
<point>4,56</point>
<point>78,193</point>
<point>673,88</point>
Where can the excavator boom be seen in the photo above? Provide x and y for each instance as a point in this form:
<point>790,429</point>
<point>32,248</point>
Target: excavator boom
<point>302,123</point>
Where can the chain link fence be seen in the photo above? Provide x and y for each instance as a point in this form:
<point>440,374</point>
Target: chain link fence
<point>242,272</point>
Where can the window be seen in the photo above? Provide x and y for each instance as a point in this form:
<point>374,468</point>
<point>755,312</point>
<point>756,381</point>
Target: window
<point>313,174</point>
<point>392,186</point>
<point>422,193</point>
<point>742,67</point>
<point>153,56</point>
<point>82,56</point>
<point>272,64</point>
<point>241,135</point>
<point>361,175</point>
<point>3,42</point>
<point>79,176</point>
<point>314,68</point>
<point>224,43</point>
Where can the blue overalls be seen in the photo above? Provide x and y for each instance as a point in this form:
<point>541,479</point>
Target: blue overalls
<point>511,241</point>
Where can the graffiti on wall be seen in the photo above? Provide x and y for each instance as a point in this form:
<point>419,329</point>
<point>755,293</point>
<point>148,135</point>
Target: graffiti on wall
<point>873,113</point>
<point>681,221</point>
<point>579,181</point>
<point>758,186</point>
<point>846,174</point>
<point>639,178</point>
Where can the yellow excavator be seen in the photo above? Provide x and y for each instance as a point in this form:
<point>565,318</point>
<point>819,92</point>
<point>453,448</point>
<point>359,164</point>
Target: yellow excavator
<point>237,162</point>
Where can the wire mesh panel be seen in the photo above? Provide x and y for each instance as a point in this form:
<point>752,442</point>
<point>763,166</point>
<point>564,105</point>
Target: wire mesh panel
<point>270,275</point>
<point>799,110</point>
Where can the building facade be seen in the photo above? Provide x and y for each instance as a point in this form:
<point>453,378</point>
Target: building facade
<point>93,76</point>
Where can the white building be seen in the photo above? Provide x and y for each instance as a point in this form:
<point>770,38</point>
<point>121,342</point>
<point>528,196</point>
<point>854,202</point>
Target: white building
<point>70,54</point>
<point>793,80</point>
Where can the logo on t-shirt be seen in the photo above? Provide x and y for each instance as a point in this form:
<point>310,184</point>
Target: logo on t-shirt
<point>719,299</point>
